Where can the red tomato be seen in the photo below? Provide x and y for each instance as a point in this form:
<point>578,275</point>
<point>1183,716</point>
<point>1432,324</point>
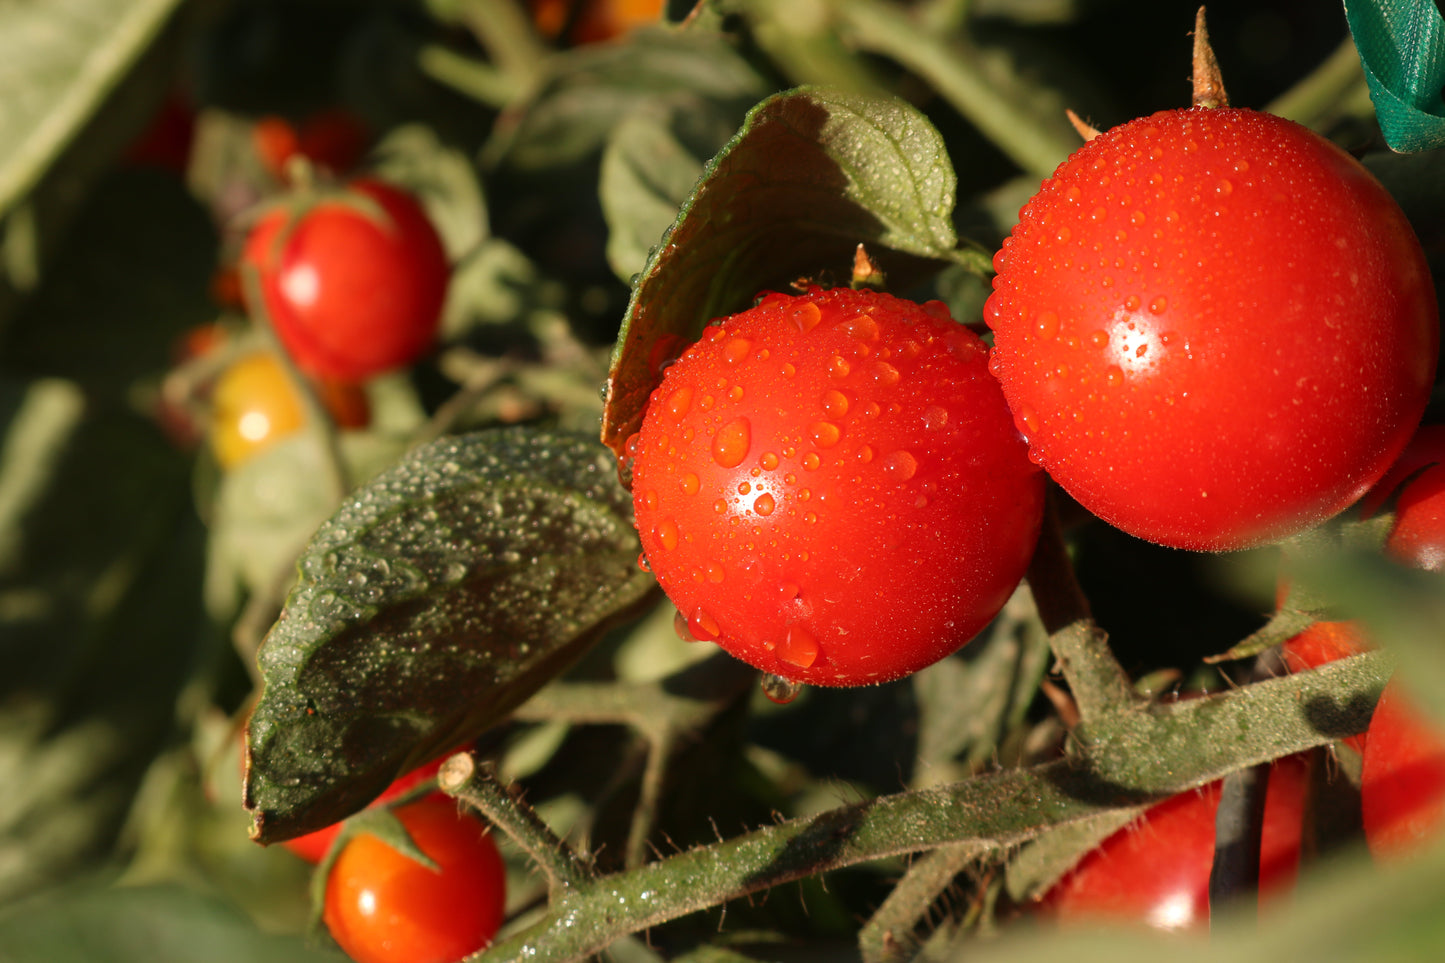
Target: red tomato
<point>1322,643</point>
<point>332,139</point>
<point>313,846</point>
<point>166,142</point>
<point>1402,780</point>
<point>353,284</point>
<point>254,404</point>
<point>1156,870</point>
<point>1214,327</point>
<point>830,487</point>
<point>383,907</point>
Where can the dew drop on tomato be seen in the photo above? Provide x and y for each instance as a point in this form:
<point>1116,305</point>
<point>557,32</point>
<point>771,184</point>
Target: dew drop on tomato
<point>780,690</point>
<point>731,443</point>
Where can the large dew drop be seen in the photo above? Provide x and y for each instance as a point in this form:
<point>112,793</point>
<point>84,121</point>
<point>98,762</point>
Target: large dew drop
<point>731,443</point>
<point>780,690</point>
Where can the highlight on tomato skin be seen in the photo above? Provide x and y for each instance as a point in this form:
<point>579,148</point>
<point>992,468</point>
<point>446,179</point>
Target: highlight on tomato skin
<point>1214,327</point>
<point>1156,870</point>
<point>829,486</point>
<point>384,907</point>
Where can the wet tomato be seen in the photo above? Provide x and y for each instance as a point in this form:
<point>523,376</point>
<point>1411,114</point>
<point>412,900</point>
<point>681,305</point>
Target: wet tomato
<point>1214,327</point>
<point>830,487</point>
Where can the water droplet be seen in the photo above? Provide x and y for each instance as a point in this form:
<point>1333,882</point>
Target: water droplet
<point>1028,420</point>
<point>680,627</point>
<point>666,533</point>
<point>864,454</point>
<point>1098,214</point>
<point>720,506</point>
<point>642,562</point>
<point>1114,376</point>
<point>633,444</point>
<point>789,369</point>
<point>900,466</point>
<point>715,572</point>
<point>1131,303</point>
<point>690,484</point>
<point>1063,235</point>
<point>768,461</point>
<point>764,504</point>
<point>884,374</point>
<point>737,350</point>
<point>649,500</point>
<point>806,316</point>
<point>835,403</point>
<point>745,488</point>
<point>839,367</point>
<point>799,647</point>
<point>1047,326</point>
<point>731,443</point>
<point>1099,338</point>
<point>1240,166</point>
<point>935,417</point>
<point>780,690</point>
<point>862,327</point>
<point>1224,188</point>
<point>703,626</point>
<point>811,461</point>
<point>679,402</point>
<point>810,518</point>
<point>825,434</point>
<point>1159,305</point>
<point>1137,218</point>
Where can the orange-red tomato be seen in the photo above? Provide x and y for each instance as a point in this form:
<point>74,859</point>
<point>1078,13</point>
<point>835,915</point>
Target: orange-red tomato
<point>313,846</point>
<point>384,907</point>
<point>597,21</point>
<point>332,139</point>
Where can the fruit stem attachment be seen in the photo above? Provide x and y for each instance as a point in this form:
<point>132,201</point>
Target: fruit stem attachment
<point>478,786</point>
<point>1086,130</point>
<point>1208,80</point>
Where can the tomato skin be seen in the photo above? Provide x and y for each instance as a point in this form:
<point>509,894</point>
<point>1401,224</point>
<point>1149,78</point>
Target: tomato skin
<point>313,846</point>
<point>830,487</point>
<point>351,296</point>
<point>1156,870</point>
<point>383,907</point>
<point>1402,778</point>
<point>1214,327</point>
<point>254,405</point>
<point>333,139</point>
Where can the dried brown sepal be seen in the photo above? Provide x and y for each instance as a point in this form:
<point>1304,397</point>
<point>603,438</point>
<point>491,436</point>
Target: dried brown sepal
<point>866,273</point>
<point>1086,130</point>
<point>1208,81</point>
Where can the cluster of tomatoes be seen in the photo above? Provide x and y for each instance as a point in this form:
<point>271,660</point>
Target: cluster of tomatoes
<point>1212,329</point>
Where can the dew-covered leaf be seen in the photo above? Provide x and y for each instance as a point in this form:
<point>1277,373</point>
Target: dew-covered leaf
<point>439,597</point>
<point>1402,48</point>
<point>813,173</point>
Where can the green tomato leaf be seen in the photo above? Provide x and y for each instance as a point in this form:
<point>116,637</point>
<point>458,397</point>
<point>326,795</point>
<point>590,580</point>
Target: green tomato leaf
<point>812,174</point>
<point>438,598</point>
<point>592,89</point>
<point>1402,48</point>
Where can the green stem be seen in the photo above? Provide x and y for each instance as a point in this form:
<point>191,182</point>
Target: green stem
<point>1157,751</point>
<point>888,937</point>
<point>1100,686</point>
<point>478,786</point>
<point>1014,118</point>
<point>480,81</point>
<point>505,32</point>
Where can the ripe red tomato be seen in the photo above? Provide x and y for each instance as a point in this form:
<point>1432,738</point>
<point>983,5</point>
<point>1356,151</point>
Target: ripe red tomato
<point>1417,536</point>
<point>313,846</point>
<point>1402,779</point>
<point>1156,870</point>
<point>1322,643</point>
<point>384,907</point>
<point>830,487</point>
<point>354,283</point>
<point>254,404</point>
<point>1214,327</point>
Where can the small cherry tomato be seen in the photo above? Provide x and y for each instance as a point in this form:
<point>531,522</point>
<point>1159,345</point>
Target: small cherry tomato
<point>596,21</point>
<point>254,404</point>
<point>353,283</point>
<point>830,487</point>
<point>334,140</point>
<point>1156,870</point>
<point>384,907</point>
<point>1402,779</point>
<point>1214,327</point>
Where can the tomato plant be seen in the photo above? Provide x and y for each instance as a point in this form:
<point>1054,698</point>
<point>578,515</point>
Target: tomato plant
<point>254,403</point>
<point>1156,870</point>
<point>353,283</point>
<point>1214,327</point>
<point>829,486</point>
<point>593,21</point>
<point>382,906</point>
